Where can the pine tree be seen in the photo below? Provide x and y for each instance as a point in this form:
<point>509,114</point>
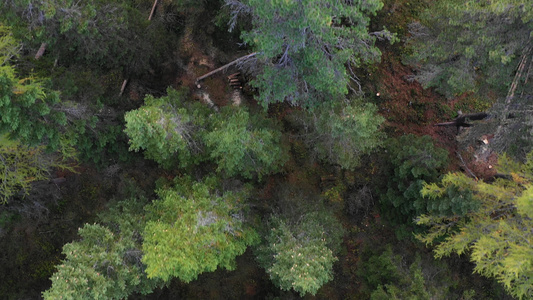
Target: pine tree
<point>26,104</point>
<point>497,233</point>
<point>304,46</point>
<point>106,263</point>
<point>194,228</point>
<point>470,45</point>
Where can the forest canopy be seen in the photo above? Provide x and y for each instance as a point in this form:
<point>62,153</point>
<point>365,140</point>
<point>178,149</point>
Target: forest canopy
<point>238,149</point>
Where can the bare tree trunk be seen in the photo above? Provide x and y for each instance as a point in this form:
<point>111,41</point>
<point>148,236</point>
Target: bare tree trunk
<point>153,10</point>
<point>224,67</point>
<point>41,51</point>
<point>123,86</point>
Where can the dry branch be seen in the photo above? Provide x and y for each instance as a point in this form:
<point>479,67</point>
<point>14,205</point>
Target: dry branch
<point>152,11</point>
<point>225,67</point>
<point>41,51</point>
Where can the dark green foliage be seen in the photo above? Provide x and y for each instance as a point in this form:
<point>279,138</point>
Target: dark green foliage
<point>304,46</point>
<point>378,270</point>
<point>194,228</point>
<point>341,132</point>
<point>461,45</point>
<point>106,262</point>
<point>414,161</point>
<point>387,275</point>
<point>410,286</point>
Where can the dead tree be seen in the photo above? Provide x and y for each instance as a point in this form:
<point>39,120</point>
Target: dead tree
<point>462,120</point>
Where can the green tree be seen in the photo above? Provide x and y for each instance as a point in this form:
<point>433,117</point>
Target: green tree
<point>497,233</point>
<point>106,263</point>
<point>342,132</point>
<point>299,254</point>
<point>245,144</point>
<point>26,104</point>
<point>168,129</point>
<point>467,45</point>
<point>414,161</point>
<point>193,228</point>
<point>21,165</point>
<point>175,132</point>
<point>305,46</point>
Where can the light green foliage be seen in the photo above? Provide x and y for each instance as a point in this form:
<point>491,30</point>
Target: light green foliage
<point>415,160</point>
<point>498,233</point>
<point>168,129</point>
<point>193,228</point>
<point>462,44</point>
<point>21,165</point>
<point>174,132</point>
<point>106,262</point>
<point>300,255</point>
<point>345,131</point>
<point>304,46</point>
<point>245,144</point>
<point>25,104</point>
<point>8,45</point>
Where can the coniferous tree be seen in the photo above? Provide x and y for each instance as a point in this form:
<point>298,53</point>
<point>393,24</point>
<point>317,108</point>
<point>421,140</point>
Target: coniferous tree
<point>497,232</point>
<point>195,228</point>
<point>106,263</point>
<point>304,46</point>
<point>461,46</point>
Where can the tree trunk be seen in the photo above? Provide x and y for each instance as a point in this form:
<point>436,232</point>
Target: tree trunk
<point>224,67</point>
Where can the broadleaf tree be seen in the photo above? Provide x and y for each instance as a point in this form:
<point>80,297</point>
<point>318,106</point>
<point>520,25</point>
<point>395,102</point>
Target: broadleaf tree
<point>168,129</point>
<point>341,132</point>
<point>300,249</point>
<point>245,144</point>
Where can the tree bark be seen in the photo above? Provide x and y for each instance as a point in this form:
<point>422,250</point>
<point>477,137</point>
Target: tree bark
<point>152,11</point>
<point>41,51</point>
<point>224,67</point>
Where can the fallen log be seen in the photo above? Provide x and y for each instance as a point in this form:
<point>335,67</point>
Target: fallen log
<point>238,60</point>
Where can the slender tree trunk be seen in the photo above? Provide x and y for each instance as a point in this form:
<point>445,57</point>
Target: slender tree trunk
<point>224,67</point>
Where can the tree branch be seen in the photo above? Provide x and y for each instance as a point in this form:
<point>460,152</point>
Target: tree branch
<point>238,60</point>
